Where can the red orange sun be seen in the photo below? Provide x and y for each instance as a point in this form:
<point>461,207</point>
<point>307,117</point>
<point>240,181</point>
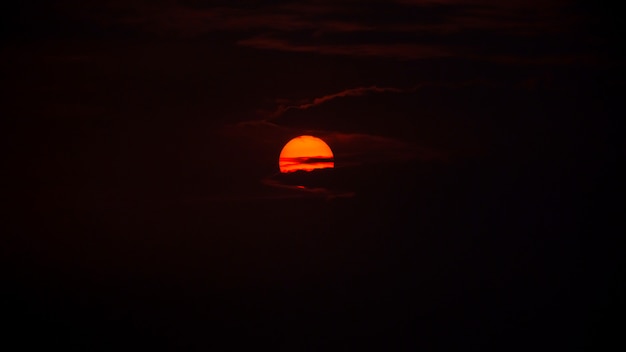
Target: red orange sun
<point>305,153</point>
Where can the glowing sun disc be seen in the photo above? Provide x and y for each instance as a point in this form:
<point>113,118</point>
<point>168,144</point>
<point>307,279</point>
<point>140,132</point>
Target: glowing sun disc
<point>305,153</point>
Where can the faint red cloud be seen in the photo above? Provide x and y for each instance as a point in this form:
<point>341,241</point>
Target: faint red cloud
<point>352,92</point>
<point>180,19</point>
<point>397,51</point>
<point>454,28</point>
<point>286,105</point>
<point>570,60</point>
<point>302,104</point>
<point>490,3</point>
<point>325,16</point>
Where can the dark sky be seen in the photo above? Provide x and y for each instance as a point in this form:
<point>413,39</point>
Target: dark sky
<point>475,147</point>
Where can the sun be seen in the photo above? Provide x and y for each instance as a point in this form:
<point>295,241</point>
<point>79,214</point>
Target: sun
<point>305,153</point>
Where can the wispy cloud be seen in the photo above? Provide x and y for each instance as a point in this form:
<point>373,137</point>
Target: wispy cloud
<point>352,92</point>
<point>397,51</point>
<point>174,17</point>
<point>286,105</point>
<point>397,29</point>
<point>273,119</point>
<point>306,191</point>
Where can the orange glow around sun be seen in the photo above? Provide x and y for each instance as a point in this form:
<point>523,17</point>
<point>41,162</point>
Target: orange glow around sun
<point>305,153</point>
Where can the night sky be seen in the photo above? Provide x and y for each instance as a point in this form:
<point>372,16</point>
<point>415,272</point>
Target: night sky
<point>473,204</point>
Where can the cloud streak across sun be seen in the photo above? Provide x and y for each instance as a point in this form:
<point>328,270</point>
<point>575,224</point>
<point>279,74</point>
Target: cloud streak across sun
<point>353,148</point>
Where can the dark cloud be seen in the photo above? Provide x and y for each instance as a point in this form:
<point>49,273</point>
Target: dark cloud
<point>401,29</point>
<point>280,181</point>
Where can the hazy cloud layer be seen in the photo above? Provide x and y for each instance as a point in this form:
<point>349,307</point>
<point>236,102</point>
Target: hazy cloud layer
<point>397,51</point>
<point>536,32</point>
